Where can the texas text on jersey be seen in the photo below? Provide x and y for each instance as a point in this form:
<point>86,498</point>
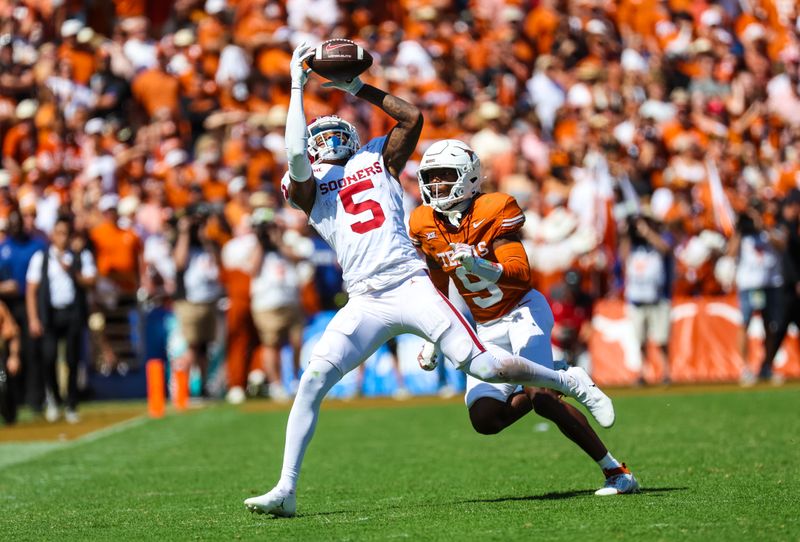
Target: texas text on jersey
<point>490,217</point>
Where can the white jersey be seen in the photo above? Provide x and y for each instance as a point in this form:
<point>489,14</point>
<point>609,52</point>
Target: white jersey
<point>358,210</point>
<point>645,275</point>
<point>759,264</point>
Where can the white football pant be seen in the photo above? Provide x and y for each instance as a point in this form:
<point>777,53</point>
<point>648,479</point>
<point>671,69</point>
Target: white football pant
<point>525,331</point>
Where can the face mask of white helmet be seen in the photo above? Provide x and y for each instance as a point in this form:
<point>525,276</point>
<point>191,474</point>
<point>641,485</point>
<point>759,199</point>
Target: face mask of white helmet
<point>450,198</point>
<point>332,138</point>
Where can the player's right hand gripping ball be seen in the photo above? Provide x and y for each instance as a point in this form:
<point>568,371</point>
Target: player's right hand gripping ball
<point>339,60</point>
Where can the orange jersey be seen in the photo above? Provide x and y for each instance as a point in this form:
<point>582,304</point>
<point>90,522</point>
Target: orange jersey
<point>491,217</point>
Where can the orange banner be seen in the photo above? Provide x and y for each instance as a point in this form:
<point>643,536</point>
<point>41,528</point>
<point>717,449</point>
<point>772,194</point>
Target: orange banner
<point>703,345</point>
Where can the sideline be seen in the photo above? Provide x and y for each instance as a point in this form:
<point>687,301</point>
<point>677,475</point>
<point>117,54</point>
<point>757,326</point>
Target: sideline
<point>94,416</point>
<point>15,453</point>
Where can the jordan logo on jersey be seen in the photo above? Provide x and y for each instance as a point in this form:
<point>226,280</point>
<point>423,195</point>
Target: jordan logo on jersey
<point>357,176</point>
<point>430,235</point>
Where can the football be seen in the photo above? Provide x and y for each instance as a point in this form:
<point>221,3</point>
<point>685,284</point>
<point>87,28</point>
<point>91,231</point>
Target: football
<point>339,60</point>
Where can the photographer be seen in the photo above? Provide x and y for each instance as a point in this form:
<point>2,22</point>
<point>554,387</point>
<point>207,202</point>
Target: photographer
<point>643,252</point>
<point>759,277</point>
<point>789,227</point>
<point>197,289</point>
<point>275,297</point>
<point>58,278</point>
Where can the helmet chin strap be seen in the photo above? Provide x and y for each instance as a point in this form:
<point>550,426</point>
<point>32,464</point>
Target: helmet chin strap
<point>455,212</point>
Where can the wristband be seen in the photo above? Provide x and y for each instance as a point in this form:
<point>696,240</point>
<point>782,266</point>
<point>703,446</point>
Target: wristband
<point>486,270</point>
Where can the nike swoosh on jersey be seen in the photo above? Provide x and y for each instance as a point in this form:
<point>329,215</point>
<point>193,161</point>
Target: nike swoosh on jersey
<point>478,223</point>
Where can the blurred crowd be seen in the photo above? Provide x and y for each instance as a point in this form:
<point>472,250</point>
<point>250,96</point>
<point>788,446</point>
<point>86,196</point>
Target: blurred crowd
<point>655,145</point>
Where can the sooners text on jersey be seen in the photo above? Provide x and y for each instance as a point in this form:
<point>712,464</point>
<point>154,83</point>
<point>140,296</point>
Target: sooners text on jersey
<point>358,210</point>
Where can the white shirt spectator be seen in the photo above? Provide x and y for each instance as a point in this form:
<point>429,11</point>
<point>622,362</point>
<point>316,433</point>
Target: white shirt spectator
<point>47,212</point>
<point>277,285</point>
<point>411,56</point>
<point>657,110</point>
<point>489,144</point>
<point>233,65</point>
<point>158,254</point>
<point>201,277</point>
<point>546,97</point>
<point>142,55</point>
<point>70,95</point>
<point>759,264</point>
<point>323,12</point>
<point>62,287</point>
<point>105,167</point>
<point>783,100</point>
<point>236,252</point>
<point>645,276</point>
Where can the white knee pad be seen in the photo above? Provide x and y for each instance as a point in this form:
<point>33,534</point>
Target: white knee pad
<point>508,369</point>
<point>485,367</point>
<point>318,378</point>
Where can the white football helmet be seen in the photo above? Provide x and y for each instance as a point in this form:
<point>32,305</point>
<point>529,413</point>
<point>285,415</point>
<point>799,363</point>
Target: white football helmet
<point>332,138</point>
<point>452,154</point>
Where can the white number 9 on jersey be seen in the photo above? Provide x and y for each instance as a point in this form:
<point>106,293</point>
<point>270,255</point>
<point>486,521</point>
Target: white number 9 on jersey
<point>495,293</point>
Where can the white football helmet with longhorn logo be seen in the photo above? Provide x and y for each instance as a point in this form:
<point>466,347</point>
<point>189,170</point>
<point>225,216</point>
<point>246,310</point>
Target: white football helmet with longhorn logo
<point>449,154</point>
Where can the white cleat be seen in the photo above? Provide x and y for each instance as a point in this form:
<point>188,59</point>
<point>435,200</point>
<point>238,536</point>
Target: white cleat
<point>277,502</point>
<point>236,395</point>
<point>71,416</point>
<point>589,395</point>
<point>619,481</point>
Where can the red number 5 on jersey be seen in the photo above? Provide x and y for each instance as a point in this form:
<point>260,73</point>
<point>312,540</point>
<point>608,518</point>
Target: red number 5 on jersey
<point>351,207</point>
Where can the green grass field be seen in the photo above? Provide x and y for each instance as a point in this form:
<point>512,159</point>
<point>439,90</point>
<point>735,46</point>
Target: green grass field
<point>721,465</point>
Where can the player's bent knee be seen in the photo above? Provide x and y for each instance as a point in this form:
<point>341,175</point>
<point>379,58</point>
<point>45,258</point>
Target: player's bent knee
<point>317,380</point>
<point>545,403</point>
<point>486,416</point>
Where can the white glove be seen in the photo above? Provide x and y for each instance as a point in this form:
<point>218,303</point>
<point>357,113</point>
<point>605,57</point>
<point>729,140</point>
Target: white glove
<point>480,267</point>
<point>463,254</point>
<point>427,356</point>
<point>348,86</point>
<point>299,72</point>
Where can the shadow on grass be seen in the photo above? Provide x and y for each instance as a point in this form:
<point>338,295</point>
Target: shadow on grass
<point>553,496</point>
<point>656,490</point>
<point>558,495</point>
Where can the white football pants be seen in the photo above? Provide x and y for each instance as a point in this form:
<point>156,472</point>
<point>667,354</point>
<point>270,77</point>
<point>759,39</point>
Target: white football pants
<point>365,323</point>
<point>525,331</point>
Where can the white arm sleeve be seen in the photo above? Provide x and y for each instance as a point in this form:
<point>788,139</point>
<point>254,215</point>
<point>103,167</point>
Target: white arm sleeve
<point>296,139</point>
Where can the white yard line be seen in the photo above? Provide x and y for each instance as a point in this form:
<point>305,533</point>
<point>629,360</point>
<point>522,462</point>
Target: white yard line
<point>110,430</point>
<point>22,452</point>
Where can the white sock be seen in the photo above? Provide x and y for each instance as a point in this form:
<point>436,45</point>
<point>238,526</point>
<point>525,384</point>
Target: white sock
<point>318,378</point>
<point>517,370</point>
<point>608,462</point>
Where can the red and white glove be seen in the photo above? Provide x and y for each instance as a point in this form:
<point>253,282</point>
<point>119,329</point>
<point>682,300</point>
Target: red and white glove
<point>485,269</point>
<point>427,356</point>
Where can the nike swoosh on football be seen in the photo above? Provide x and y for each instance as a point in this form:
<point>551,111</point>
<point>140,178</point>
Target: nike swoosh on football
<point>478,223</point>
<point>334,46</point>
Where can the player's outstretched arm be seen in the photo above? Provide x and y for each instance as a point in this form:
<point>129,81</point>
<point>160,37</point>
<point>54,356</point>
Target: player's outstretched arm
<point>301,192</point>
<point>403,138</point>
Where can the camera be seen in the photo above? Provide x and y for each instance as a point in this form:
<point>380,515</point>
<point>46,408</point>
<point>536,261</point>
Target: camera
<point>200,210</point>
<point>263,223</point>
